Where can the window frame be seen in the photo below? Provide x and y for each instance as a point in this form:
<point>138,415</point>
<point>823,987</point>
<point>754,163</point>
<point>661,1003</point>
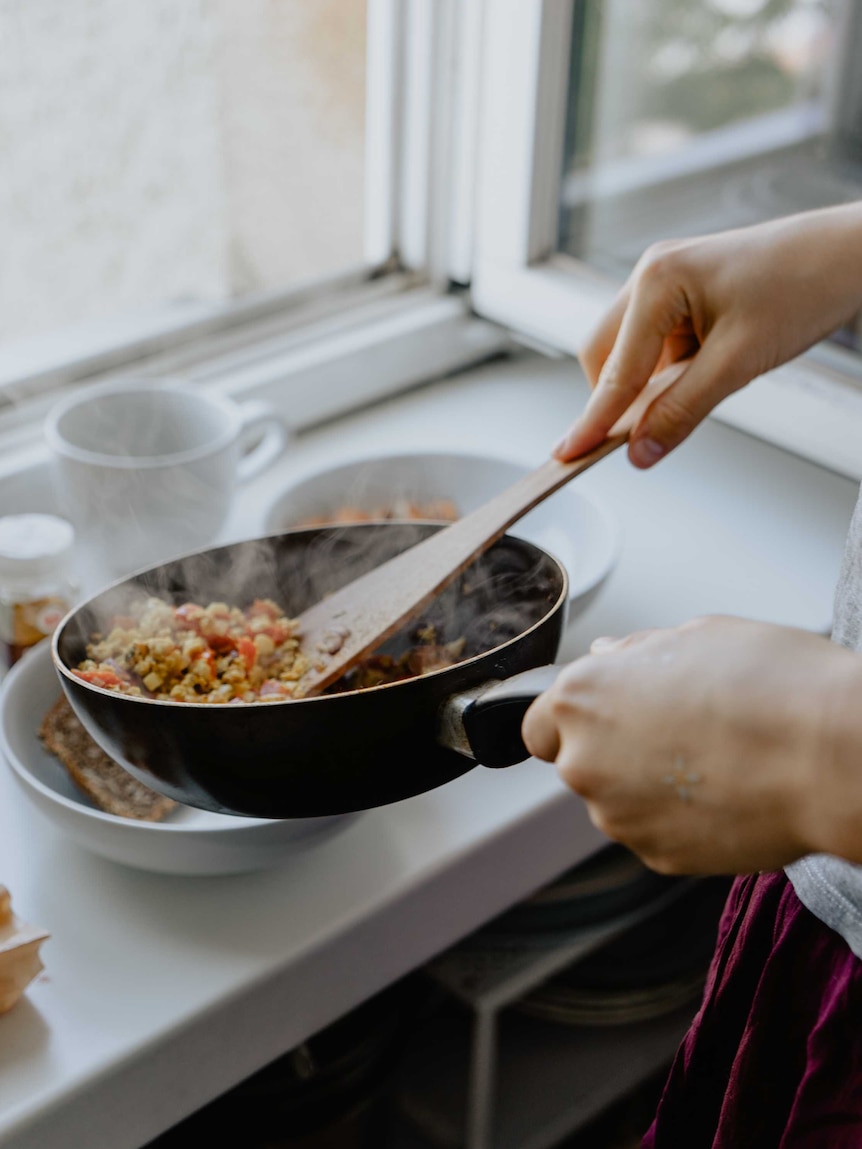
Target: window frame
<point>812,406</point>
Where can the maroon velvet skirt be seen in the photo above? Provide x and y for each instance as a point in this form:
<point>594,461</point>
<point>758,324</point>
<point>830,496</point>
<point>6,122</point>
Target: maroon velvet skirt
<point>773,1058</point>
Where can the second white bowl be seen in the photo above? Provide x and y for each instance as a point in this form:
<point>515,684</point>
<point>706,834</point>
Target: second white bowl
<point>574,527</point>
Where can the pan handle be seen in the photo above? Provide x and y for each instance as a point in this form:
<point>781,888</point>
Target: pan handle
<point>485,723</point>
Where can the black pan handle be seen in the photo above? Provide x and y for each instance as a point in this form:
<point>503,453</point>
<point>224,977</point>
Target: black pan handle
<point>486,724</point>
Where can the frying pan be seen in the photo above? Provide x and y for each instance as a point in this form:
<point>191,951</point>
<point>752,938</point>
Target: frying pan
<point>341,752</point>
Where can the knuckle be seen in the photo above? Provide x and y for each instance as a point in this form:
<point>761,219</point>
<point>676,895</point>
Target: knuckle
<point>657,252</point>
<point>662,283</point>
<point>659,263</point>
<point>569,684</point>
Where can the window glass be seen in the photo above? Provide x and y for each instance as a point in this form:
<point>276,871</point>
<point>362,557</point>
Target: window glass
<point>687,116</point>
<point>161,151</point>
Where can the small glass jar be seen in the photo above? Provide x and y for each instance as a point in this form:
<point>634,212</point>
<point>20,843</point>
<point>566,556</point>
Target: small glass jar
<point>37,584</point>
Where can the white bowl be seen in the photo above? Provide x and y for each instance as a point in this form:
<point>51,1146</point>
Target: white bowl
<point>575,528</point>
<point>187,842</point>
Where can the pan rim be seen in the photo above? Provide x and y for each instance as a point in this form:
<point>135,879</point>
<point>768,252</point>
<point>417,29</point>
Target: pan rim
<point>66,672</point>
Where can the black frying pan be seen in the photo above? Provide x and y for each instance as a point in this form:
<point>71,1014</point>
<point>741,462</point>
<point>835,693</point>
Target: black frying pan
<point>342,752</point>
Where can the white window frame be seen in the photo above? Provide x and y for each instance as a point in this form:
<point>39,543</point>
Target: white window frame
<point>812,406</point>
<point>322,348</point>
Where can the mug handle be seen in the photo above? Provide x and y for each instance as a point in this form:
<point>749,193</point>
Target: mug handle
<point>255,413</point>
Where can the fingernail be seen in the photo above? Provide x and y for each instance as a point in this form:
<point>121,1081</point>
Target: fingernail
<point>645,452</point>
<point>603,643</point>
<point>560,447</point>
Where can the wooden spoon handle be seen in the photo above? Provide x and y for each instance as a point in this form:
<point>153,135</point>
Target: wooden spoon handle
<point>354,621</point>
<point>493,518</point>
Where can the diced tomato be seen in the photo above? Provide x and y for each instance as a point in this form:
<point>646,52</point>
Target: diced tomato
<point>247,652</point>
<point>277,632</point>
<point>220,643</point>
<point>99,677</point>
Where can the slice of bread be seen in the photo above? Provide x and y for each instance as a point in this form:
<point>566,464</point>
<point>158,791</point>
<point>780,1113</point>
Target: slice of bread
<point>102,780</point>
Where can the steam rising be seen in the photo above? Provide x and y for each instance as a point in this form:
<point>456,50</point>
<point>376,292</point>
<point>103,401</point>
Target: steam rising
<point>499,596</point>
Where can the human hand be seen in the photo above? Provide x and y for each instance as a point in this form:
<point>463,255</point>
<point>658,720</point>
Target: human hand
<point>720,746</point>
<point>735,304</point>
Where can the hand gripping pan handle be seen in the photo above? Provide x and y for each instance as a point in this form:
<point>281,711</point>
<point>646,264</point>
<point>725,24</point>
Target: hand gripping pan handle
<point>485,723</point>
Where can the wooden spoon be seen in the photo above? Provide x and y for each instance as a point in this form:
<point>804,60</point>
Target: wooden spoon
<point>354,621</point>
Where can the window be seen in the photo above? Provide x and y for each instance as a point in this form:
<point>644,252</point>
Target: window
<point>608,125</point>
<point>159,154</point>
<point>178,178</point>
<point>744,86</point>
<point>704,87</point>
<point>248,193</point>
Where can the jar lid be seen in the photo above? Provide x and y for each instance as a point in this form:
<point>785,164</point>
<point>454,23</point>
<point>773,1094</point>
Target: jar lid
<point>34,544</point>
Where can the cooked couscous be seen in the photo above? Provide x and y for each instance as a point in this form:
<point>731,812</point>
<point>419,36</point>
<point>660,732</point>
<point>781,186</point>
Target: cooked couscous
<point>190,653</point>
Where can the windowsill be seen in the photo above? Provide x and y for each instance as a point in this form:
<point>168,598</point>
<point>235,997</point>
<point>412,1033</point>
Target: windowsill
<point>311,365</point>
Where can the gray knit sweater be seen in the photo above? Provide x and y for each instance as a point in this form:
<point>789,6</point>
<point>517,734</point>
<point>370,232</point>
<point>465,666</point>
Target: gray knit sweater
<point>830,887</point>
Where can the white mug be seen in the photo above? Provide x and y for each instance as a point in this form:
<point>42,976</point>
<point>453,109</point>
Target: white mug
<point>147,470</point>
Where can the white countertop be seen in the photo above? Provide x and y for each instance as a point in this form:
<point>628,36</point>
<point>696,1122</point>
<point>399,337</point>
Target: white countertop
<point>160,992</point>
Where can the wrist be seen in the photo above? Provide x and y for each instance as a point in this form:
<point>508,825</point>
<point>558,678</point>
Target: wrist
<point>831,808</point>
<point>829,260</point>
